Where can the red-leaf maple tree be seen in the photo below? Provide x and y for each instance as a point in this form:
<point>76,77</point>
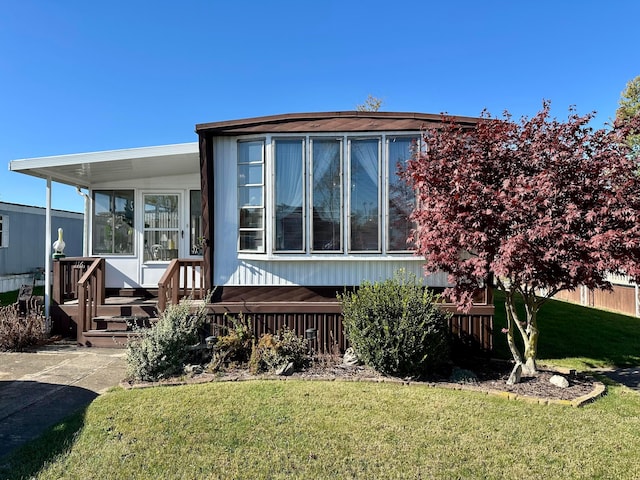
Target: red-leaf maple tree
<point>532,207</point>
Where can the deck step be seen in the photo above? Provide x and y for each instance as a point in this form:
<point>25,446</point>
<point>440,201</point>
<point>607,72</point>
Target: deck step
<point>119,323</point>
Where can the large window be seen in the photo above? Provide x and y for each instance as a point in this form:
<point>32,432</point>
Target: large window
<point>113,215</point>
<point>251,196</point>
<point>326,194</point>
<point>364,200</point>
<point>401,197</point>
<point>4,231</point>
<point>289,194</point>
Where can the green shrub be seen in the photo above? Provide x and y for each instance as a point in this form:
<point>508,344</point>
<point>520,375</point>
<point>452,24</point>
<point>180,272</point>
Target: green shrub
<point>235,346</point>
<point>275,351</point>
<point>395,326</point>
<point>162,350</point>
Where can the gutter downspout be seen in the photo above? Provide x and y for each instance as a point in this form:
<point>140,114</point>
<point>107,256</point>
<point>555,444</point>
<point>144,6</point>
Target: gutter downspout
<point>85,227</point>
<point>47,260</point>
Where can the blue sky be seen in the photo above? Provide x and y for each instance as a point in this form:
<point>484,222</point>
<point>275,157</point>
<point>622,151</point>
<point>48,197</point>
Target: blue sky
<point>78,76</point>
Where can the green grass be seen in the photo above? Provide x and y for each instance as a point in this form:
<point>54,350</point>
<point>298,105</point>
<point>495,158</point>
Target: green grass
<point>317,430</point>
<point>7,298</point>
<point>577,337</point>
<point>297,429</point>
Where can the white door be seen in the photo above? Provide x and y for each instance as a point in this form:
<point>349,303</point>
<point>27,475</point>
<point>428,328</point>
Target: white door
<point>163,234</point>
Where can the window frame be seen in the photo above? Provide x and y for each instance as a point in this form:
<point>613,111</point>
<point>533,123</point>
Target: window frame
<point>340,141</point>
<point>391,165</point>
<point>112,211</point>
<point>385,171</point>
<point>350,211</point>
<point>262,207</point>
<point>274,191</point>
<point>4,231</point>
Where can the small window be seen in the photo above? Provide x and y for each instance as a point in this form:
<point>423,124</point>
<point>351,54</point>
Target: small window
<point>251,196</point>
<point>195,223</point>
<point>113,216</point>
<point>4,231</point>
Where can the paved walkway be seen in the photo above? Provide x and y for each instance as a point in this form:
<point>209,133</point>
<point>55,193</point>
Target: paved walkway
<point>626,376</point>
<point>39,389</point>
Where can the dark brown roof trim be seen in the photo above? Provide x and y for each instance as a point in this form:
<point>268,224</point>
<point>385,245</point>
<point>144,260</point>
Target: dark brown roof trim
<point>345,121</point>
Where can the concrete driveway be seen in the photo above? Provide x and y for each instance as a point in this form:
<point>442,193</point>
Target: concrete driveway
<point>38,389</point>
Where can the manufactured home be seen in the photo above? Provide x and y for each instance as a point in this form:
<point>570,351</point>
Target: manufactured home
<point>274,215</point>
<point>23,241</point>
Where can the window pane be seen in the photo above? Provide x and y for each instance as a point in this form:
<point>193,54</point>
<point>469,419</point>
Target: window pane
<point>401,196</point>
<point>327,194</point>
<point>251,218</point>
<point>250,152</point>
<point>162,245</point>
<point>250,169</point>
<point>249,196</point>
<point>364,195</point>
<point>288,194</point>
<point>113,222</point>
<point>161,211</point>
<point>251,240</point>
<point>250,174</point>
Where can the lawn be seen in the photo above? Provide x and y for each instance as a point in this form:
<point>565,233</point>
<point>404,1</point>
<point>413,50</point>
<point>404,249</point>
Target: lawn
<point>298,429</point>
<point>577,337</point>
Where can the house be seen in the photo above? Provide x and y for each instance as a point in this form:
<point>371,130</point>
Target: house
<point>273,214</point>
<point>23,241</point>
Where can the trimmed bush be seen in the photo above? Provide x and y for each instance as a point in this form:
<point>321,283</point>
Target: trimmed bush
<point>163,349</point>
<point>396,327</point>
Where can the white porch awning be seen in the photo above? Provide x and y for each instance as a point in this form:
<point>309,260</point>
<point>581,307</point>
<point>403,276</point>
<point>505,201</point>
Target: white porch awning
<point>86,169</point>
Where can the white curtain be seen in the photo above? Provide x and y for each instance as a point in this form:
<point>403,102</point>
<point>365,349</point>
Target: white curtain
<point>288,189</point>
<point>365,187</point>
<point>326,164</point>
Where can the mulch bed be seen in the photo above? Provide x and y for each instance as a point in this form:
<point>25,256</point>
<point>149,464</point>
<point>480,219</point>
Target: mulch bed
<point>491,377</point>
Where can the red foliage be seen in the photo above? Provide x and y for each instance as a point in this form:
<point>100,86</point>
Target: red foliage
<point>538,204</point>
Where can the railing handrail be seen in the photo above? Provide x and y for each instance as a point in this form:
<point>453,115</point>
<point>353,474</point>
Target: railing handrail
<point>91,293</point>
<point>170,287</point>
<point>91,271</point>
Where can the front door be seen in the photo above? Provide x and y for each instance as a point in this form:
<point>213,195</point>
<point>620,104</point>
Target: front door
<point>163,234</point>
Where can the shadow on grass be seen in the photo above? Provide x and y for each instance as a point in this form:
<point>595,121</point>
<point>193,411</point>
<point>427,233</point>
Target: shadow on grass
<point>27,461</point>
<point>38,422</point>
<point>597,338</point>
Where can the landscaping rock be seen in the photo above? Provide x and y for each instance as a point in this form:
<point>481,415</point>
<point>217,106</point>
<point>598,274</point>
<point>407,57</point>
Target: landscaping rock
<point>516,375</point>
<point>285,370</point>
<point>559,381</point>
<point>350,357</point>
<point>193,369</point>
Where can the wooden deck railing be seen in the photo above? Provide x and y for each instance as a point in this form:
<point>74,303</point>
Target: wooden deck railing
<point>91,294</point>
<point>183,278</point>
<point>66,274</point>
